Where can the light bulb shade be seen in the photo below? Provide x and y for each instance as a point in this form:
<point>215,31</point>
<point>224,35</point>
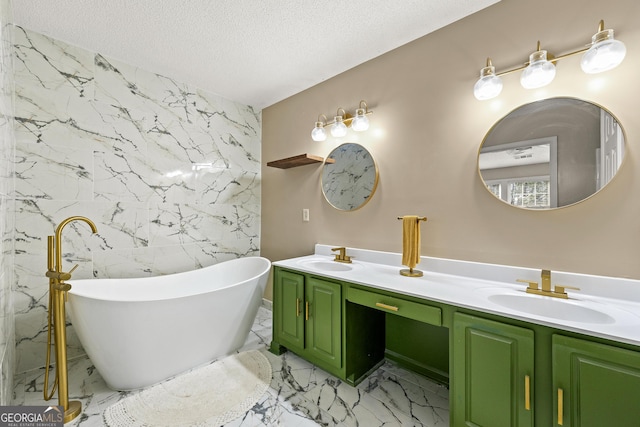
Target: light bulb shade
<point>338,128</point>
<point>489,85</point>
<point>604,54</point>
<point>540,72</point>
<point>360,121</point>
<point>318,133</point>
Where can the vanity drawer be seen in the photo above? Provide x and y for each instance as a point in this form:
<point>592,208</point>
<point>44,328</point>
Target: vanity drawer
<point>401,307</point>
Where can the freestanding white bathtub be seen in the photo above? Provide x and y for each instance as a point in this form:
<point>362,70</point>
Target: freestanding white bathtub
<point>138,332</point>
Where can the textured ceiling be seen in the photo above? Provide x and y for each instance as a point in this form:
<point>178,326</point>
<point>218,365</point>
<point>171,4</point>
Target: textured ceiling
<point>257,52</point>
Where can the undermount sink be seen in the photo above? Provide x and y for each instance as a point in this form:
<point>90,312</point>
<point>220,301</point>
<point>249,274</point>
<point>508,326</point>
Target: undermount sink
<point>327,265</point>
<point>549,307</point>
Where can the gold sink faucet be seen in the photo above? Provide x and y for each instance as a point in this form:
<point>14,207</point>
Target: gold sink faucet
<point>545,289</point>
<point>342,255</point>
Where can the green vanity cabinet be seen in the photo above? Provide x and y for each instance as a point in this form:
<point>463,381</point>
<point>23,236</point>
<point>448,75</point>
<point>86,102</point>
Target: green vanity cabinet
<point>308,318</point>
<point>493,372</point>
<point>595,384</point>
<point>502,372</point>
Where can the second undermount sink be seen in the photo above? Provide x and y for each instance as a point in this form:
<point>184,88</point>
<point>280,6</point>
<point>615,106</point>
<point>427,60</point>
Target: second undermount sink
<point>326,265</point>
<point>550,307</point>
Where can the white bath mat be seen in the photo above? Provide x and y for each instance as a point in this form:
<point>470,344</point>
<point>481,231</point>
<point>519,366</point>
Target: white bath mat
<point>212,395</point>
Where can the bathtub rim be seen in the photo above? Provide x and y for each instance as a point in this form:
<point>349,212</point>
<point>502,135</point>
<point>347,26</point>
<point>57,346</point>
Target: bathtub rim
<point>75,292</point>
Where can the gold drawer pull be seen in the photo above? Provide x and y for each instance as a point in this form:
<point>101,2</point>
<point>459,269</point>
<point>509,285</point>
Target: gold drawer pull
<point>388,307</point>
<point>297,307</point>
<point>306,310</point>
<point>560,408</point>
<point>527,393</point>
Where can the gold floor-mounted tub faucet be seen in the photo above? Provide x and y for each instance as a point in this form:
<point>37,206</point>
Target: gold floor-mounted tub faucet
<point>57,319</point>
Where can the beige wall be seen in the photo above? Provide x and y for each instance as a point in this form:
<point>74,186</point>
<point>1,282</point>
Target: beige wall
<point>425,134</point>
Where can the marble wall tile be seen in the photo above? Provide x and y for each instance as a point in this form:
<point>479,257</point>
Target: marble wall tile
<point>53,172</point>
<point>151,261</point>
<point>51,64</point>
<point>7,146</point>
<point>170,175</point>
<point>227,186</point>
<point>180,223</point>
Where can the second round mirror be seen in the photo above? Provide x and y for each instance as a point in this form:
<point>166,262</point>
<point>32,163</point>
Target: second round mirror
<point>551,153</point>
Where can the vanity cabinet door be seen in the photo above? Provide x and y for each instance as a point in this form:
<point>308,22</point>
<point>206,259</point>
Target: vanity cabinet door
<point>492,377</point>
<point>595,384</point>
<point>307,318</point>
<point>289,293</point>
<point>324,324</point>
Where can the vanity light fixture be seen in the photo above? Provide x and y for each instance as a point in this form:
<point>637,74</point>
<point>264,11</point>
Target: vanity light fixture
<point>540,71</point>
<point>489,85</point>
<point>602,54</point>
<point>360,121</point>
<point>338,128</point>
<point>605,52</point>
<point>340,123</point>
<point>318,133</point>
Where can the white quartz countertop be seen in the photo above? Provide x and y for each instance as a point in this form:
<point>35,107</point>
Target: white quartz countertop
<point>606,307</point>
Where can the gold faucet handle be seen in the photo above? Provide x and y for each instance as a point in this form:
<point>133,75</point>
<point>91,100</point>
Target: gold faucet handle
<point>61,276</point>
<point>62,286</point>
<point>67,276</point>
<point>560,289</point>
<point>531,283</point>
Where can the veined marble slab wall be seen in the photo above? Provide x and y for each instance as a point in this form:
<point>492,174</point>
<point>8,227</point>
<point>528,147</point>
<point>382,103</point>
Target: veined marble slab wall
<point>7,145</point>
<point>170,175</point>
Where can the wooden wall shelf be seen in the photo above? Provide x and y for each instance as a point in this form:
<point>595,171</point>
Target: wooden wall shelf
<point>299,160</point>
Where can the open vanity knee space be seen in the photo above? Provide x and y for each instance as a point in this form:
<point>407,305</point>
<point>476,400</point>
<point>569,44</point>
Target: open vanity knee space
<point>509,357</point>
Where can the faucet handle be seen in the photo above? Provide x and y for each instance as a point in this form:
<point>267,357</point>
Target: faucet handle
<point>560,289</point>
<point>62,286</point>
<point>532,284</point>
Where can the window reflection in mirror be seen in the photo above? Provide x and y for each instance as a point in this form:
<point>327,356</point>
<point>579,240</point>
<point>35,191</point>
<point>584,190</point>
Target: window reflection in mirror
<point>551,153</point>
<point>522,173</point>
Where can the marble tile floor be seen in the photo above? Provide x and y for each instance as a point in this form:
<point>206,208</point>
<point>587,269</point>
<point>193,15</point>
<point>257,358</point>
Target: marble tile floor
<point>300,394</point>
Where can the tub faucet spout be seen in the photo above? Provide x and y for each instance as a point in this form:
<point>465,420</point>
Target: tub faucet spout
<point>58,238</point>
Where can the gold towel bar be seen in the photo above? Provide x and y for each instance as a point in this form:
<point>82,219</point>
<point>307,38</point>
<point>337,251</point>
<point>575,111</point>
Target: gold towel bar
<point>420,218</point>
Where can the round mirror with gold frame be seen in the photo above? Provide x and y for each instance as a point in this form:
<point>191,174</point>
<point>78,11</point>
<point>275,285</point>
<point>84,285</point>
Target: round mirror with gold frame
<point>551,153</point>
<point>349,177</point>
